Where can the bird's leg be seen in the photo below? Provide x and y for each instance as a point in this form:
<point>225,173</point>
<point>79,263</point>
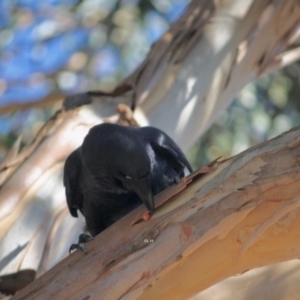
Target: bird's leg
<point>82,239</point>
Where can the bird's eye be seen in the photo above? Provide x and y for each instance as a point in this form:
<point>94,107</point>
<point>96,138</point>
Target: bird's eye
<point>128,177</point>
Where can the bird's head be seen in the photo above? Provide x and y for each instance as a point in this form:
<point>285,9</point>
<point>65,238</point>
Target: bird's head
<point>131,166</point>
<point>115,151</point>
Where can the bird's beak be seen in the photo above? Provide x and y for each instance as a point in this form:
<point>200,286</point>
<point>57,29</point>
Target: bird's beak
<point>143,189</point>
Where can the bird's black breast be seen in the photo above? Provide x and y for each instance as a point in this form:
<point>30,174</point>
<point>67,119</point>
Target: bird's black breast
<point>104,209</point>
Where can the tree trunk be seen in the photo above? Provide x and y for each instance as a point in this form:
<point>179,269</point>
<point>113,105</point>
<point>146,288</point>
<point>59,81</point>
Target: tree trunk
<point>243,215</point>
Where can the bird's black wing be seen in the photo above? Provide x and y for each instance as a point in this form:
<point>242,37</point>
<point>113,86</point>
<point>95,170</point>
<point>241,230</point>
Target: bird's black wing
<point>164,145</point>
<point>72,175</point>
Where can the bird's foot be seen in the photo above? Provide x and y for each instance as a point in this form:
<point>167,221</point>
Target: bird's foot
<point>82,239</point>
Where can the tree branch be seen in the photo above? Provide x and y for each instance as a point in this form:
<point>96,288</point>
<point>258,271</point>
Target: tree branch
<point>284,59</point>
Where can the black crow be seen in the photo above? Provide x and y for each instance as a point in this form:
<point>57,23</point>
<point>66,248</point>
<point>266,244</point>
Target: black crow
<point>118,168</point>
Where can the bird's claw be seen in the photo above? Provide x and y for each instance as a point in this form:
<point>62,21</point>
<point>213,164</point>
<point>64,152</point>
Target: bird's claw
<point>77,246</point>
<point>82,239</point>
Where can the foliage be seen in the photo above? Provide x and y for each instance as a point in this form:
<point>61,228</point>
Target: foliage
<point>262,110</point>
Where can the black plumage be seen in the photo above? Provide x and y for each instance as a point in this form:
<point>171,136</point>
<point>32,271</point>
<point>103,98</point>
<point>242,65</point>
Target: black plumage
<point>116,169</point>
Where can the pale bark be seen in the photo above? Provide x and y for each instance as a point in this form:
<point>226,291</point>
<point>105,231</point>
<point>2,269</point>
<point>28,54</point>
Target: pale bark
<point>190,75</point>
<point>275,282</point>
<point>193,73</point>
<point>243,215</point>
